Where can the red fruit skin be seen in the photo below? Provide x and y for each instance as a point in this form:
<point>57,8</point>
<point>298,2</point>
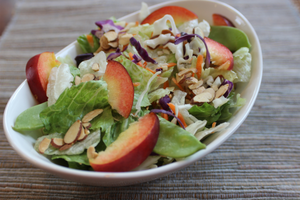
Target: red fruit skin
<point>38,69</point>
<point>220,20</point>
<point>220,55</point>
<point>120,88</point>
<point>179,14</point>
<point>145,134</point>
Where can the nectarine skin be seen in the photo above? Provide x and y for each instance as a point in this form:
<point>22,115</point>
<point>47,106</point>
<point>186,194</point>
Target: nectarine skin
<point>38,69</point>
<point>120,87</point>
<point>219,54</point>
<point>179,14</point>
<point>131,148</point>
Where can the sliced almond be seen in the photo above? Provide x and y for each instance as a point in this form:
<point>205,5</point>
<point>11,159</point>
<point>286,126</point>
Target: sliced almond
<point>211,91</point>
<point>91,153</point>
<point>196,85</point>
<point>57,142</point>
<point>86,125</point>
<point>111,36</point>
<point>125,38</point>
<point>221,91</point>
<point>73,133</point>
<point>198,90</point>
<point>65,147</point>
<point>95,67</point>
<point>185,71</point>
<point>87,77</point>
<point>77,80</point>
<point>191,80</point>
<point>91,115</point>
<point>113,44</point>
<point>44,144</point>
<point>82,135</point>
<point>103,43</point>
<point>203,97</point>
<point>86,131</point>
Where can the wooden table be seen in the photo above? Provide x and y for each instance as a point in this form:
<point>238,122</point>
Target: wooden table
<point>260,161</point>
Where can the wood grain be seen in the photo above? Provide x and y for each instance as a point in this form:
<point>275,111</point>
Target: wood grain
<point>260,161</point>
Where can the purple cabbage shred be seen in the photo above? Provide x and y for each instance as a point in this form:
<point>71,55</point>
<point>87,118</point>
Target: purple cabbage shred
<point>168,113</point>
<point>107,25</point>
<point>142,52</point>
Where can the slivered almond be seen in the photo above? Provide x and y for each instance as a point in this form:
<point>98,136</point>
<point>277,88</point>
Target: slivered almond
<point>87,77</point>
<point>185,71</point>
<point>86,125</point>
<point>86,131</point>
<point>91,153</point>
<point>73,133</point>
<point>196,85</point>
<point>113,44</point>
<point>95,67</point>
<point>57,142</point>
<point>77,80</point>
<point>199,90</point>
<point>191,80</point>
<point>82,135</point>
<point>44,144</point>
<point>125,38</point>
<point>111,36</point>
<point>65,147</point>
<point>211,91</point>
<point>221,91</point>
<point>103,43</point>
<point>203,97</point>
<point>91,115</point>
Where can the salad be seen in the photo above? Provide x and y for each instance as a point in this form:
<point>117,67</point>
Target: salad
<point>140,94</point>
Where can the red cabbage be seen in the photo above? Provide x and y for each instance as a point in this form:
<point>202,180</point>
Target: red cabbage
<point>107,25</point>
<point>142,52</point>
<point>188,37</point>
<point>136,58</point>
<point>168,113</point>
<point>164,102</point>
<point>226,94</point>
<point>97,33</point>
<point>82,57</point>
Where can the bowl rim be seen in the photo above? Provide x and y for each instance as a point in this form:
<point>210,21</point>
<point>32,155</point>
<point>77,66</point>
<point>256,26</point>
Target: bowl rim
<point>166,169</point>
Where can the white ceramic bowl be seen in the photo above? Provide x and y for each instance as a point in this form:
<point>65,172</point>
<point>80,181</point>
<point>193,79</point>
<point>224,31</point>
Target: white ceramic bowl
<point>23,99</point>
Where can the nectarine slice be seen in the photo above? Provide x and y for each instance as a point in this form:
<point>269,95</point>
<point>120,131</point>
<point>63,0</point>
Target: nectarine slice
<point>120,87</point>
<point>220,55</point>
<point>38,69</point>
<point>130,149</point>
<point>220,20</point>
<point>179,14</point>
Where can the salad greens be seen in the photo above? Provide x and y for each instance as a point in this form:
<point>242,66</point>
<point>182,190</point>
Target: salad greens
<point>182,79</point>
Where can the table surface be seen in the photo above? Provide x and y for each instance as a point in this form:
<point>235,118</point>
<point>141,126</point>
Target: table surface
<point>260,161</point>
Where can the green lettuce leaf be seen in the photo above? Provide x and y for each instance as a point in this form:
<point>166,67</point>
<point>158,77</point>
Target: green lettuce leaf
<point>85,46</point>
<point>73,104</point>
<point>80,158</point>
<point>175,142</point>
<point>103,121</point>
<point>157,94</point>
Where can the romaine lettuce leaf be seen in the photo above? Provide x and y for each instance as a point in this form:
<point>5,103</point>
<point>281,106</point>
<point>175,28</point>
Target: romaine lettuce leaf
<point>80,158</point>
<point>103,121</point>
<point>73,104</point>
<point>113,132</point>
